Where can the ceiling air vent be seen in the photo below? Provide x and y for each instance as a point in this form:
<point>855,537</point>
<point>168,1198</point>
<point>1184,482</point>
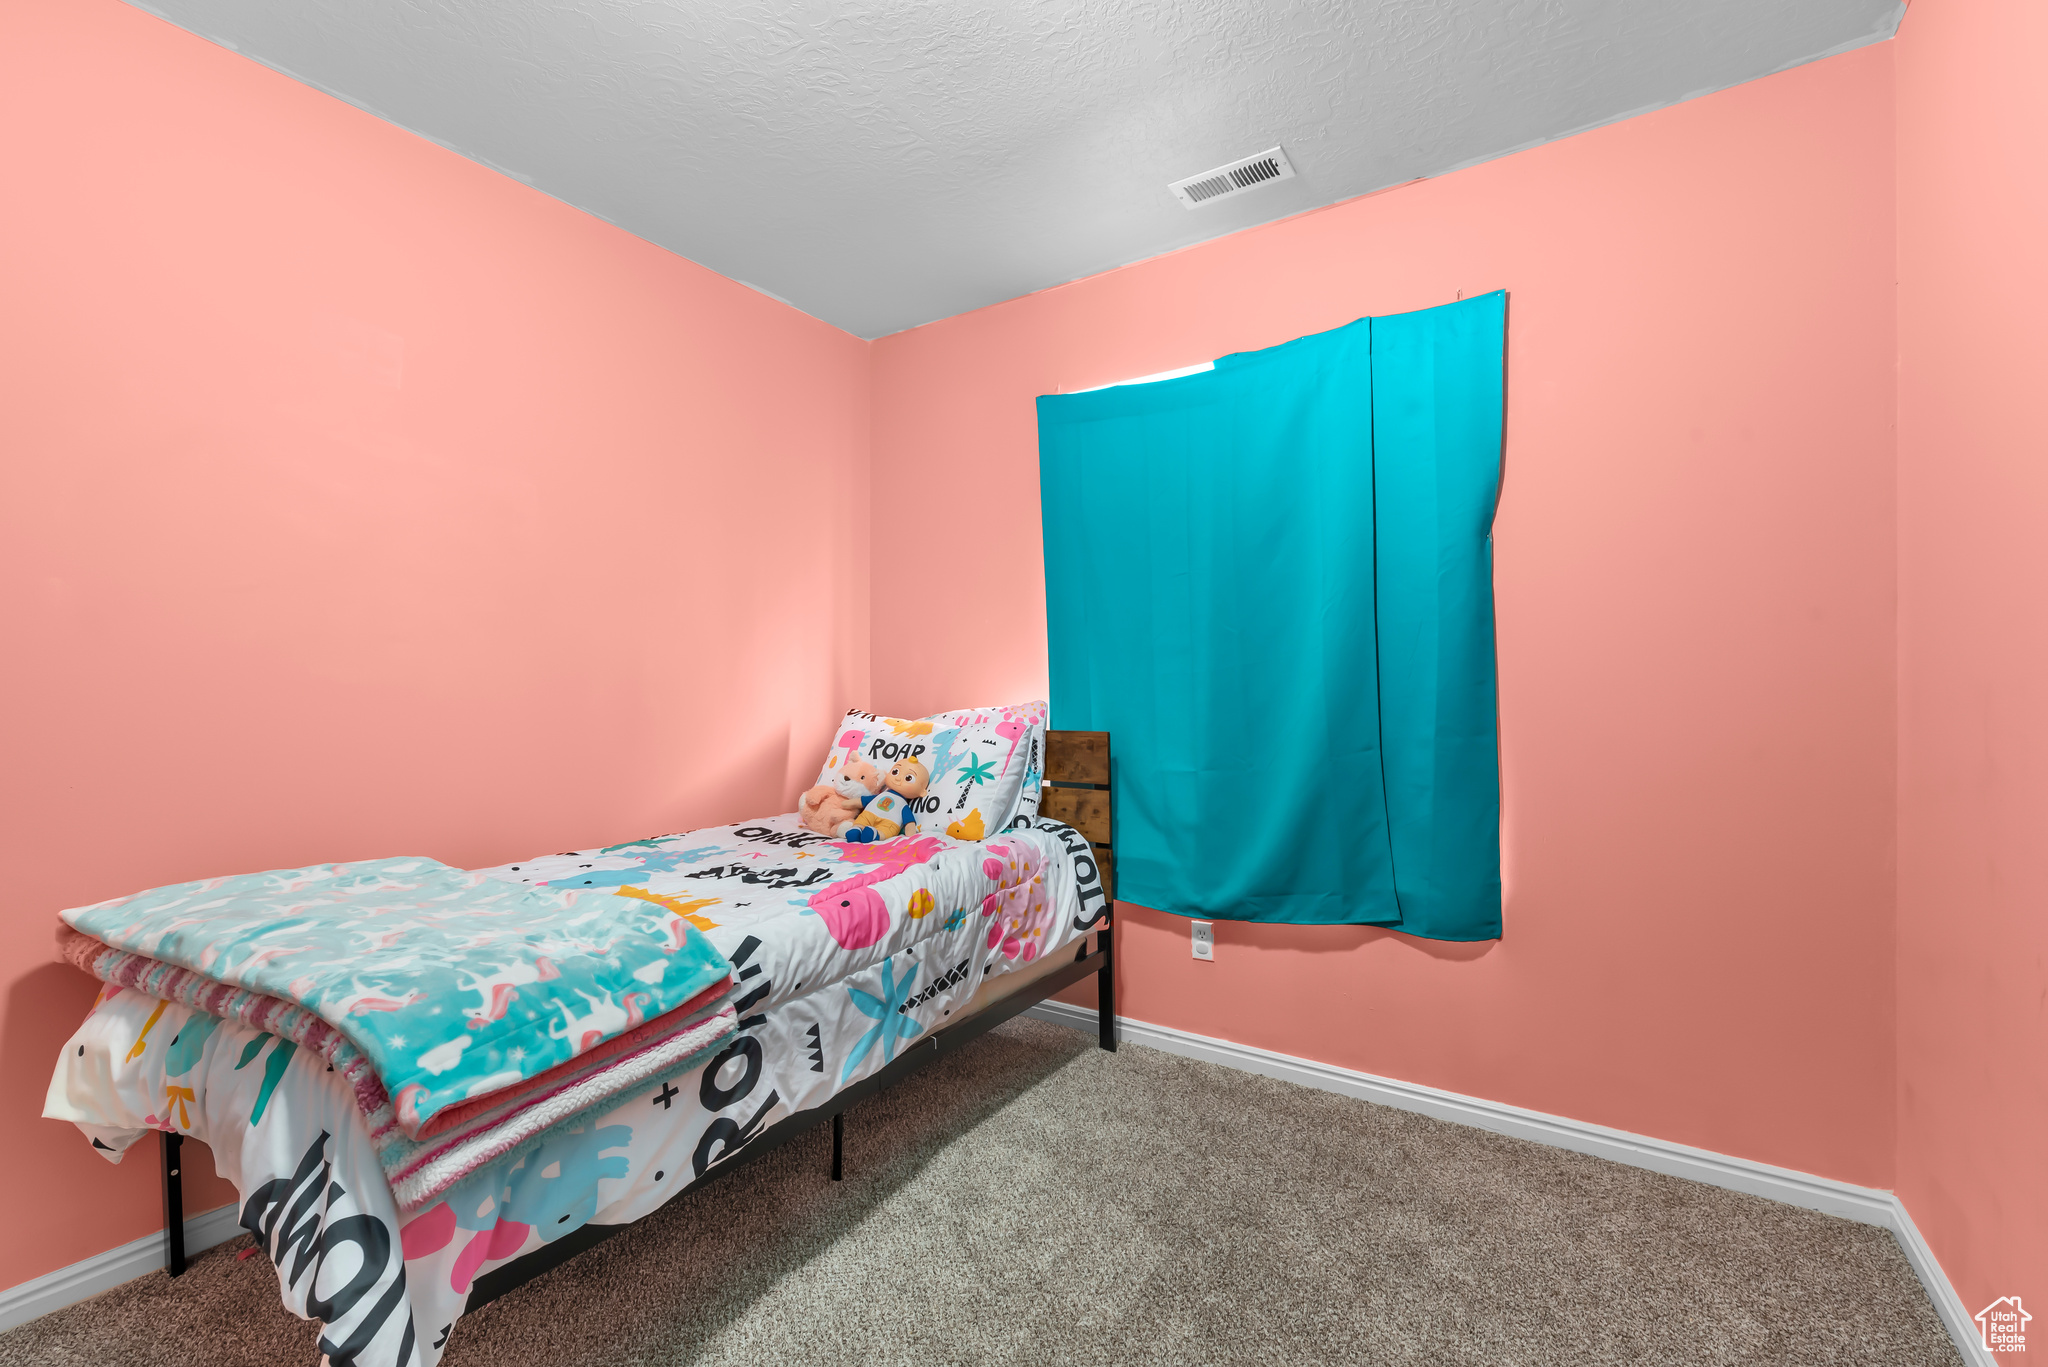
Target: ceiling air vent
<point>1234,179</point>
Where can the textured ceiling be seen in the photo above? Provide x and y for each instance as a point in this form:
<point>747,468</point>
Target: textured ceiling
<point>881,163</point>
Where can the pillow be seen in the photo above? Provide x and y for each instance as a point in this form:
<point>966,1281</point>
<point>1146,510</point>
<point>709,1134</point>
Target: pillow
<point>1032,716</point>
<point>973,767</point>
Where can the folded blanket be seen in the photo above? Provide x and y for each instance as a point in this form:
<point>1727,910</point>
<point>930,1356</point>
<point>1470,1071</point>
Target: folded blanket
<point>423,1171</point>
<point>166,982</point>
<point>450,985</point>
<point>492,1106</point>
<point>463,1138</point>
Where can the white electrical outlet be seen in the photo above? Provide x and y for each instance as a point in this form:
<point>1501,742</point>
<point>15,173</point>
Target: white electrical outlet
<point>1205,940</point>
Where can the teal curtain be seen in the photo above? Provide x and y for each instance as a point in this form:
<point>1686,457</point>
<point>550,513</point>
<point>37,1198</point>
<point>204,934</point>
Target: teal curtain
<point>1272,583</point>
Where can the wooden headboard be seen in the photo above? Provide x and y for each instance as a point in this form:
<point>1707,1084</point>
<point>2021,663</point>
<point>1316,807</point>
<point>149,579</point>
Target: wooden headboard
<point>1077,791</point>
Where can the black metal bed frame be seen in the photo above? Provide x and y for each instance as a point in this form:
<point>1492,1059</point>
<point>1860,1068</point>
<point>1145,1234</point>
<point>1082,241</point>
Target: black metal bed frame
<point>928,1050</point>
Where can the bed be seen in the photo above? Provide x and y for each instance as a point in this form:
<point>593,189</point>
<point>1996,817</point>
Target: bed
<point>820,1013</point>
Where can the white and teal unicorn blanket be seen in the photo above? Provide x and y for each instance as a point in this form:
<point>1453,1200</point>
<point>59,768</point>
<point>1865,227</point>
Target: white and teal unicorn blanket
<point>452,985</point>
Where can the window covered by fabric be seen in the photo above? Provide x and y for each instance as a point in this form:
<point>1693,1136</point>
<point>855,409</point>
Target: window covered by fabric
<point>1272,583</point>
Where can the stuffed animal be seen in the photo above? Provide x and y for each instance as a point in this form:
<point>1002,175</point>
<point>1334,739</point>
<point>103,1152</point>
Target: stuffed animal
<point>894,809</point>
<point>832,808</point>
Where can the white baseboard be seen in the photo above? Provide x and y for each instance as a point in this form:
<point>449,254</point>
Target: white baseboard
<point>1866,1205</point>
<point>105,1271</point>
<point>1961,1327</point>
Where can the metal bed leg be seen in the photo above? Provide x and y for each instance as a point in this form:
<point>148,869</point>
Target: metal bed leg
<point>174,1202</point>
<point>1105,982</point>
<point>838,1141</point>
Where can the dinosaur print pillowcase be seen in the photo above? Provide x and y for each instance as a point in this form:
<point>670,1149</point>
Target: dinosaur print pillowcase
<point>961,774</point>
<point>1031,716</point>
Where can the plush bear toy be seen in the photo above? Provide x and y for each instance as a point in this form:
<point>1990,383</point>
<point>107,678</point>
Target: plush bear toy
<point>831,808</point>
<point>894,809</point>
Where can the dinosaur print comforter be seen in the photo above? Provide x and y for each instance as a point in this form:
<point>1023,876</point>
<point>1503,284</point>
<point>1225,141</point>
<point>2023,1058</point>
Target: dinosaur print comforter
<point>833,985</point>
<point>794,910</point>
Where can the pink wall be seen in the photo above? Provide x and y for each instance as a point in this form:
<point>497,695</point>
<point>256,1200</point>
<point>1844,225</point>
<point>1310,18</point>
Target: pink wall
<point>1973,642</point>
<point>357,501</point>
<point>1695,577</point>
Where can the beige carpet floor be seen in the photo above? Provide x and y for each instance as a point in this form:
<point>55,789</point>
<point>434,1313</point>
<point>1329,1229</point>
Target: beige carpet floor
<point>1035,1201</point>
